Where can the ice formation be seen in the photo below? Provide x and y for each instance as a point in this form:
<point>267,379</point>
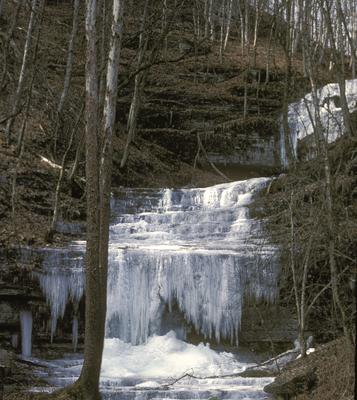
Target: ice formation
<point>195,249</point>
<point>165,357</point>
<point>301,115</point>
<point>61,279</point>
<point>26,333</point>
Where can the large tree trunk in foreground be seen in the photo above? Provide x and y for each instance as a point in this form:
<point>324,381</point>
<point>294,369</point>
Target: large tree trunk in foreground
<point>94,332</point>
<point>98,174</point>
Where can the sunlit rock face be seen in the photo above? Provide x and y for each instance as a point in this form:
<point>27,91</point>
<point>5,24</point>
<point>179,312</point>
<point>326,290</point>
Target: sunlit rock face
<point>302,117</point>
<point>197,249</point>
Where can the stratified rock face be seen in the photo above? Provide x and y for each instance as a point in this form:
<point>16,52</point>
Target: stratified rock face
<point>281,324</point>
<point>9,315</point>
<point>248,149</point>
<point>236,121</point>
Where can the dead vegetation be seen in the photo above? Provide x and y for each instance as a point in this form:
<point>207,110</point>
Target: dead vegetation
<point>326,374</point>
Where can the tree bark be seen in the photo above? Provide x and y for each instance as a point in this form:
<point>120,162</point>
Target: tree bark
<point>94,331</point>
<point>98,174</point>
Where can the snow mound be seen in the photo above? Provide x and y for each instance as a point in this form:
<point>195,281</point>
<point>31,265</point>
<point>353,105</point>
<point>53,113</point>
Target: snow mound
<point>165,357</point>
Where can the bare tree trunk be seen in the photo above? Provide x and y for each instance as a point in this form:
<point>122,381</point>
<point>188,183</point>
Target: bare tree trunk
<point>98,173</point>
<point>62,173</point>
<point>292,256</point>
<point>163,25</point>
<point>328,197</point>
<point>267,67</point>
<point>70,56</point>
<point>211,20</point>
<point>77,157</point>
<point>221,43</point>
<point>246,24</point>
<point>8,39</point>
<point>351,42</point>
<point>203,150</point>
<point>35,5</point>
<point>228,23</point>
<point>139,82</point>
<point>256,24</point>
<point>103,57</point>
<point>20,142</point>
<point>288,72</point>
<point>206,19</point>
<point>196,20</point>
<point>93,345</point>
<point>107,140</point>
<point>245,106</point>
<point>68,73</point>
<point>339,61</point>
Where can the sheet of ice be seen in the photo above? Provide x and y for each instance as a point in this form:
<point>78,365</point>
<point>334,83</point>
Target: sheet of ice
<point>301,115</point>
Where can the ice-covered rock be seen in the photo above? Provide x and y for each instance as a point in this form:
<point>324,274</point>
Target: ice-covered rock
<point>301,115</point>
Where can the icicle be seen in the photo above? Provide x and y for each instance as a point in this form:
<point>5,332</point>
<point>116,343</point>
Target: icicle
<point>75,333</point>
<point>26,333</point>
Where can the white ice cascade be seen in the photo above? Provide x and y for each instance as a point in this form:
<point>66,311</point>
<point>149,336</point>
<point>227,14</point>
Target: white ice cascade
<point>301,115</point>
<point>26,333</point>
<point>193,249</point>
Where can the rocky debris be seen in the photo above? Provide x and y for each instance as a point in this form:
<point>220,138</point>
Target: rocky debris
<point>322,375</point>
<point>17,376</point>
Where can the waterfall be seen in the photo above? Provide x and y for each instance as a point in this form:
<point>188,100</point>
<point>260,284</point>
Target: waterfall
<point>26,333</point>
<point>195,250</point>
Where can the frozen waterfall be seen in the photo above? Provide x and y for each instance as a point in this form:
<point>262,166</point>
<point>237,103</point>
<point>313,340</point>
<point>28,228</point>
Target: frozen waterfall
<point>301,115</point>
<point>196,250</point>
